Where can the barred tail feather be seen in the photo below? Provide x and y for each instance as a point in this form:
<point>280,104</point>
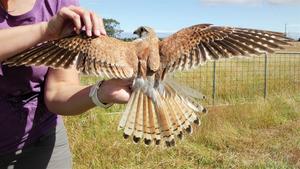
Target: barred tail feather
<point>183,90</point>
<point>159,116</point>
<point>178,121</point>
<point>146,127</point>
<point>126,113</point>
<point>138,125</point>
<point>129,126</point>
<point>153,123</point>
<point>164,120</point>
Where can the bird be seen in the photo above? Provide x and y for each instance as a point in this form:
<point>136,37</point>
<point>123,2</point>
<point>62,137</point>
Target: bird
<point>160,111</point>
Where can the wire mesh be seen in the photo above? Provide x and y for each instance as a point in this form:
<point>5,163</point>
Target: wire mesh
<point>242,80</point>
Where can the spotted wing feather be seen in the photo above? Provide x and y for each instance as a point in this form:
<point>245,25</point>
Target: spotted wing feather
<point>101,56</point>
<point>197,44</point>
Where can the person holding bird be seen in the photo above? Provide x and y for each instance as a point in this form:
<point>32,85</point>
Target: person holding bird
<point>32,134</point>
<point>159,110</point>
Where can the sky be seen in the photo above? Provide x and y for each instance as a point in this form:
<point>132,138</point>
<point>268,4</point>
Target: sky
<point>171,15</point>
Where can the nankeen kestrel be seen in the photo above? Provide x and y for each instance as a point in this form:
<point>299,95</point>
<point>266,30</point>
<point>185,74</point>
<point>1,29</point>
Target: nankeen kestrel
<point>159,109</point>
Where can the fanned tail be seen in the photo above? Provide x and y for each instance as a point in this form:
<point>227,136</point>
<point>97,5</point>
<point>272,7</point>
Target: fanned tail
<point>159,114</point>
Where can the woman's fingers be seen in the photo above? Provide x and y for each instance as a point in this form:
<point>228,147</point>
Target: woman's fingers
<point>67,13</point>
<point>101,24</point>
<point>75,18</point>
<point>92,22</point>
<point>96,24</point>
<point>85,18</point>
<point>115,91</point>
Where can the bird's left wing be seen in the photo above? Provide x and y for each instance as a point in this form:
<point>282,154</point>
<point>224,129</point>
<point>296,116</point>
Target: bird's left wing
<point>195,45</point>
<point>102,56</point>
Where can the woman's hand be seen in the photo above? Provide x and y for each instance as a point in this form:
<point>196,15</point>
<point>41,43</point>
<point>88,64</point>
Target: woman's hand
<point>115,91</point>
<point>73,18</point>
<point>63,93</point>
<point>67,20</point>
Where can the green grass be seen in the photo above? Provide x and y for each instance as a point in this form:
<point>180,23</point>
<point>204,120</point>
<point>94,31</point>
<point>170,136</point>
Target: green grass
<point>263,133</point>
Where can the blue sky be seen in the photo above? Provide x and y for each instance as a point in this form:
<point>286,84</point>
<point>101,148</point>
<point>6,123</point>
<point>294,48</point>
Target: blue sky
<point>172,15</point>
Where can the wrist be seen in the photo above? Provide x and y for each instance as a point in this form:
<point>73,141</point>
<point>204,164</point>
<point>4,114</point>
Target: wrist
<point>43,31</point>
<point>97,97</point>
<point>100,95</point>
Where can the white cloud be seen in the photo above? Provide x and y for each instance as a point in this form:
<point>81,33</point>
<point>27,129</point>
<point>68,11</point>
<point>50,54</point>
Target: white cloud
<point>280,2</point>
<point>284,1</point>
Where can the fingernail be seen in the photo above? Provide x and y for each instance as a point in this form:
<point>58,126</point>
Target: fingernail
<point>89,33</point>
<point>103,32</point>
<point>97,32</point>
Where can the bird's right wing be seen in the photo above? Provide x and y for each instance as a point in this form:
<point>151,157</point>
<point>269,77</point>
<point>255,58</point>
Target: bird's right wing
<point>197,44</point>
<point>101,56</point>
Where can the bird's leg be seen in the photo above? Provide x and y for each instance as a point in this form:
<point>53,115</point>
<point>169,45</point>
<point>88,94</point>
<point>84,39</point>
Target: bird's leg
<point>139,81</point>
<point>158,85</point>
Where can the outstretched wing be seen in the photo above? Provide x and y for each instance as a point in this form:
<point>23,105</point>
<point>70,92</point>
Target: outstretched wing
<point>102,56</point>
<point>195,45</point>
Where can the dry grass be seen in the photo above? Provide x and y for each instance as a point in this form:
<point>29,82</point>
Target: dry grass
<point>260,134</point>
<point>264,134</point>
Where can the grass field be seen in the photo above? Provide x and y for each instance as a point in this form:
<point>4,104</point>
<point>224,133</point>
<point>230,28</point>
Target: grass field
<point>263,133</point>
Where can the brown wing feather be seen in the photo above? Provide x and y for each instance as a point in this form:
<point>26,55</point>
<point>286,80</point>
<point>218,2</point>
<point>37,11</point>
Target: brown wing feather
<point>199,43</point>
<point>102,56</point>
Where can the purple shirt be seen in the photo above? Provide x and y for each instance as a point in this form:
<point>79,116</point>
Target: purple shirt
<point>23,114</point>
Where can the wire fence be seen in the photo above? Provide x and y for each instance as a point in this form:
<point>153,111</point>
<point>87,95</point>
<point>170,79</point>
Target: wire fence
<point>244,80</point>
<point>241,79</point>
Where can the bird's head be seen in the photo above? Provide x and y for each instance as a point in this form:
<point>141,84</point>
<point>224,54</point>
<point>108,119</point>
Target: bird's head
<point>144,31</point>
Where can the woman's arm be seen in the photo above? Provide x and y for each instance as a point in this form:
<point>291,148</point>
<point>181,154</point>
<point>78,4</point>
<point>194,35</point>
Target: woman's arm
<point>17,39</point>
<point>64,95</point>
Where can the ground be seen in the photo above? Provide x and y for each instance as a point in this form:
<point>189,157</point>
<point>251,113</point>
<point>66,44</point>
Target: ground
<point>264,134</point>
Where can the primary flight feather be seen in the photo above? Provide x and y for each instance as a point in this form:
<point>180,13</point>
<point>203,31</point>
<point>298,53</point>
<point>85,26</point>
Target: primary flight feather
<point>159,109</point>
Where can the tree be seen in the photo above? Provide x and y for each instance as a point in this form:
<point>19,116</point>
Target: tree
<point>129,39</point>
<point>112,27</point>
<point>299,39</point>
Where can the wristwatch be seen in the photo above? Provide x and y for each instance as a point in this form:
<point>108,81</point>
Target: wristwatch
<point>94,95</point>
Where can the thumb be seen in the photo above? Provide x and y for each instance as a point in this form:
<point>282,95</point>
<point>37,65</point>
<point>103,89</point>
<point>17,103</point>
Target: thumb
<point>67,30</point>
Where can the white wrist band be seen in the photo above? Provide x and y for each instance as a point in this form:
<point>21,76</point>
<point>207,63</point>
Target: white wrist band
<point>94,95</point>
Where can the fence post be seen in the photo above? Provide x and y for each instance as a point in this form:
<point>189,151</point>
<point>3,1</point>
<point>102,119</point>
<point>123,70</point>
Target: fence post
<point>214,82</point>
<point>265,76</point>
